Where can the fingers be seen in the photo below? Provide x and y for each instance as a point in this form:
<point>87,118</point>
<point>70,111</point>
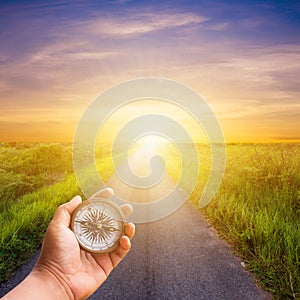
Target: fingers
<point>64,211</point>
<point>127,209</point>
<point>106,193</point>
<point>125,244</point>
<point>129,230</point>
<point>117,255</point>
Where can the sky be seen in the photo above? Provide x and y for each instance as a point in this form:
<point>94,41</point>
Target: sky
<point>242,57</point>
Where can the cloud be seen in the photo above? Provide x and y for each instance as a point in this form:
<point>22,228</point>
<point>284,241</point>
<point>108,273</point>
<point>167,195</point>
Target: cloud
<point>274,71</point>
<point>73,52</point>
<point>141,23</point>
<point>64,56</point>
<point>243,81</point>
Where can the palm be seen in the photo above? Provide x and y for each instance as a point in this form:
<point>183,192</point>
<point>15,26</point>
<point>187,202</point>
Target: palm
<point>84,270</point>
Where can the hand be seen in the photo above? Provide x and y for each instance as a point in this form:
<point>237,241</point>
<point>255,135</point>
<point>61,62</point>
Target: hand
<point>79,272</point>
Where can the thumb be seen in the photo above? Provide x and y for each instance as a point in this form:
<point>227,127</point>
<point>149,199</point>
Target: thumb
<point>64,211</point>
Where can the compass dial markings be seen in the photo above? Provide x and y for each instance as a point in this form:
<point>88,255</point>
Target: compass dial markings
<point>98,225</point>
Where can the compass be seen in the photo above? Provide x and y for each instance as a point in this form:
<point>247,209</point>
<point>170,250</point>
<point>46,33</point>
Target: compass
<point>98,225</point>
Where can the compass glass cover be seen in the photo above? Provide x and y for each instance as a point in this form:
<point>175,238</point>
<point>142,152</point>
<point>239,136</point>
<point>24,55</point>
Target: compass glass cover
<point>98,225</point>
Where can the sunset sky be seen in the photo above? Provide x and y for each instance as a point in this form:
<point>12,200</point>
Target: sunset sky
<point>243,57</point>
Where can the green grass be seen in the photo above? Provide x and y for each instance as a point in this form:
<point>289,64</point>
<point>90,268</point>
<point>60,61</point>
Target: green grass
<point>25,168</point>
<point>257,210</point>
<point>24,217</point>
<point>24,223</point>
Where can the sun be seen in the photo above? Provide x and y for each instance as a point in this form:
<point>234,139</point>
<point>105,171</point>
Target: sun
<point>151,141</point>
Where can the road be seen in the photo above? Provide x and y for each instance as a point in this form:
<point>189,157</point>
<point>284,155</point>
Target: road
<point>178,257</point>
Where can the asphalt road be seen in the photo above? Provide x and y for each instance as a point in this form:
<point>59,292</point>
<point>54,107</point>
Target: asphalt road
<point>180,257</point>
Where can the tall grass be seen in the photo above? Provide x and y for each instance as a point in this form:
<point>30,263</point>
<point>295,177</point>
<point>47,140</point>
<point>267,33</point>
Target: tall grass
<point>25,168</point>
<point>23,221</point>
<point>257,210</point>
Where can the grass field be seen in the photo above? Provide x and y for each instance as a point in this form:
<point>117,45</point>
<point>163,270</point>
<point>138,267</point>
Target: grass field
<point>35,179</point>
<point>257,208</point>
<point>25,168</point>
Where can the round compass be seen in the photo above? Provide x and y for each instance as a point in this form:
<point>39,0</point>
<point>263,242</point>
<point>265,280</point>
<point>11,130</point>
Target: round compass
<point>98,225</point>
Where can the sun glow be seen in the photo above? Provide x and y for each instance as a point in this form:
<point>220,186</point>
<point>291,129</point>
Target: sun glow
<point>151,145</point>
<point>151,142</point>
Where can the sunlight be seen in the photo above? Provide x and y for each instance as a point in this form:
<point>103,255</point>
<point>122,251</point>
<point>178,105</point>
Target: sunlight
<point>150,142</point>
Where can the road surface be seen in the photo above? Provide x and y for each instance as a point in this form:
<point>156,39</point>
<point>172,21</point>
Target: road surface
<point>180,257</point>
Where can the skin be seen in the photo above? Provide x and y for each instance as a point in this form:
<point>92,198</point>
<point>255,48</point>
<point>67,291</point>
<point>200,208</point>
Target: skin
<point>64,270</point>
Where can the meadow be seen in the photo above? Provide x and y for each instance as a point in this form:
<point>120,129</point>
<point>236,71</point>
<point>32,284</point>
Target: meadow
<point>34,180</point>
<point>256,210</point>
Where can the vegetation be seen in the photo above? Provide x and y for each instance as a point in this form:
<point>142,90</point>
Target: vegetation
<point>24,223</point>
<point>257,208</point>
<point>25,168</point>
<point>35,179</point>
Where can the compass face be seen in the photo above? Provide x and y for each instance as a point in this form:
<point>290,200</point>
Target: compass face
<point>98,225</point>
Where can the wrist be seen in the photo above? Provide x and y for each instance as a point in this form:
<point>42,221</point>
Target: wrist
<point>54,285</point>
<point>41,283</point>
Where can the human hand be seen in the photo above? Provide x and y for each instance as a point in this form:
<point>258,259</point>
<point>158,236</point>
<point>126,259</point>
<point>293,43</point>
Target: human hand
<point>79,272</point>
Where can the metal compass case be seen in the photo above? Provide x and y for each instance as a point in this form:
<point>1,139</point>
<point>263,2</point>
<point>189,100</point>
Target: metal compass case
<point>98,225</point>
